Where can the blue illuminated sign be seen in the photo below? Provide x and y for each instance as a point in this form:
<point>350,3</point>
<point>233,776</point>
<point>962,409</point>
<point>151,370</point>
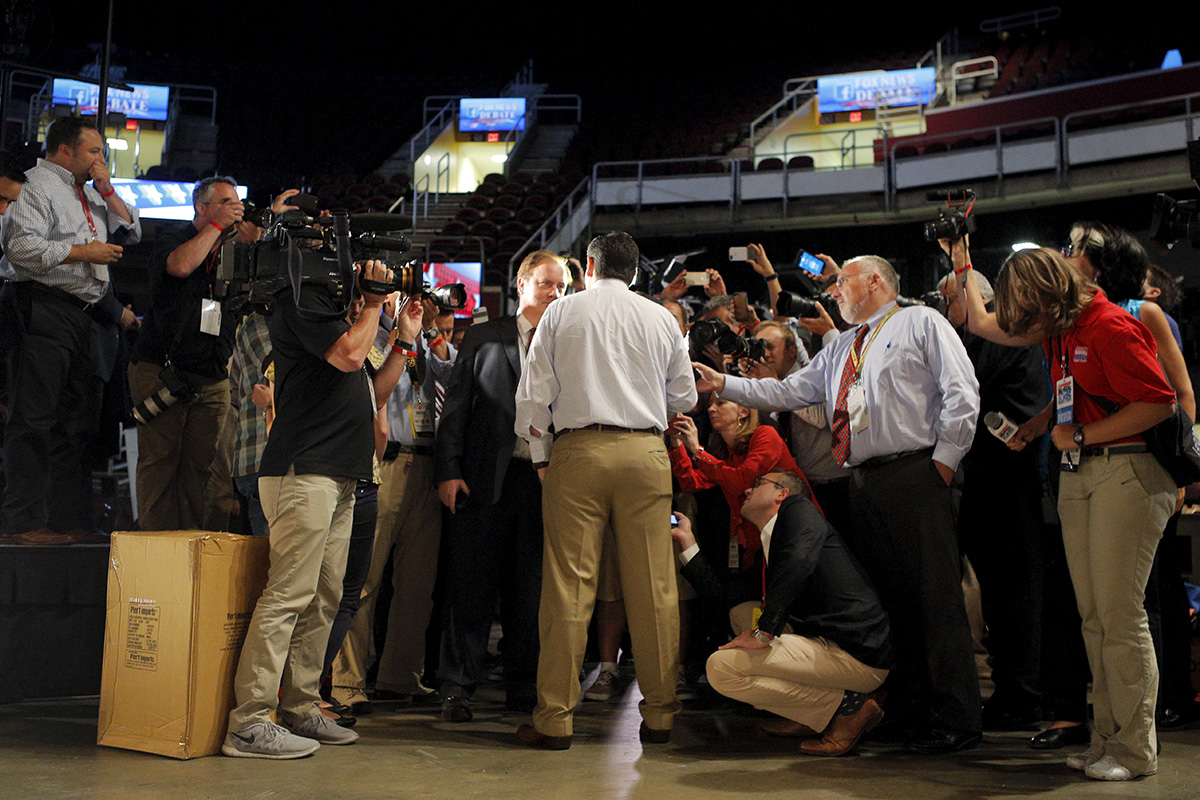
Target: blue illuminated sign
<point>160,199</point>
<point>478,114</point>
<point>900,87</point>
<point>144,102</point>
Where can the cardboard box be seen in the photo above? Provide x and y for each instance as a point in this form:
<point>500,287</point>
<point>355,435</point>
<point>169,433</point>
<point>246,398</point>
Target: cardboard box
<point>179,605</point>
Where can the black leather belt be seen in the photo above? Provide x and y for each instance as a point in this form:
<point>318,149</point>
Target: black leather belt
<point>61,294</point>
<point>1114,450</point>
<point>394,449</point>
<point>610,429</point>
<point>879,461</point>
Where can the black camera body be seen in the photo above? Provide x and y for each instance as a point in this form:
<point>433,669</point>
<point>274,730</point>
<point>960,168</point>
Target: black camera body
<point>950,224</point>
<point>728,343</point>
<point>804,303</point>
<point>954,221</point>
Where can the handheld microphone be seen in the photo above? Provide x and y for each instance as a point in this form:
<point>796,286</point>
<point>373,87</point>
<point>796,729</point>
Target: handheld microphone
<point>1000,426</point>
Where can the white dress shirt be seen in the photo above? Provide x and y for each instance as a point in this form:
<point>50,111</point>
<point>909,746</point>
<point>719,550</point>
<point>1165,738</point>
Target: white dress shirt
<point>605,355</point>
<point>919,386</point>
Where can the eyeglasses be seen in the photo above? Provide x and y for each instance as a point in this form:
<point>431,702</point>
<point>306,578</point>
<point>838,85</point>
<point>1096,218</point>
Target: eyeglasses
<point>764,479</point>
<point>841,280</point>
<point>1073,249</point>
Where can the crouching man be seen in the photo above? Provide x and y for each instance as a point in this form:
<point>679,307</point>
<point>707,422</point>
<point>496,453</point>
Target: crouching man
<point>820,641</point>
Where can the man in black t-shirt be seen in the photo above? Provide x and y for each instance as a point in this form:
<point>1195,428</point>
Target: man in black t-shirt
<point>321,444</point>
<point>187,329</point>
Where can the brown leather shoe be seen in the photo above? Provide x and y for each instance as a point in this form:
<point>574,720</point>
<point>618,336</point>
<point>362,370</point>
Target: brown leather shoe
<point>843,733</point>
<point>42,536</point>
<point>532,736</point>
<point>93,536</point>
<point>788,728</point>
<point>653,735</point>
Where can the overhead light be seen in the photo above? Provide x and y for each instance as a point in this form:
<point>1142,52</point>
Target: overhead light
<point>1019,246</point>
<point>118,144</point>
<point>428,159</point>
<point>1172,60</point>
<point>500,159</point>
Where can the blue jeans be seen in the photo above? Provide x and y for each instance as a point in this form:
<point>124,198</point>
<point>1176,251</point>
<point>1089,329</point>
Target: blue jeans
<point>247,488</point>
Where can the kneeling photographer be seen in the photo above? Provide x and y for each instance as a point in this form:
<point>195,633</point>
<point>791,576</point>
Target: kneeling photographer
<point>321,444</point>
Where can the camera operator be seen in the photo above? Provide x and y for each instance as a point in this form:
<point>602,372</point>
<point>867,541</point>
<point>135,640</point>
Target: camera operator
<point>187,338</point>
<point>321,444</point>
<point>1003,540</point>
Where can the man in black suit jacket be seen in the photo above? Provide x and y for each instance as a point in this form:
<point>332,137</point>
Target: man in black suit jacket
<point>820,640</point>
<point>493,541</point>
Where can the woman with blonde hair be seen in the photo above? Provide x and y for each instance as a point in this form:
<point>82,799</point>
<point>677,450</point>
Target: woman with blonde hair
<point>1114,496</point>
<point>742,451</point>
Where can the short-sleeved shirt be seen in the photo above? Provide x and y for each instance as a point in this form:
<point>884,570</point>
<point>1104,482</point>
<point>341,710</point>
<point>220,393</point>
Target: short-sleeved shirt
<point>324,418</point>
<point>172,328</point>
<point>1112,356</point>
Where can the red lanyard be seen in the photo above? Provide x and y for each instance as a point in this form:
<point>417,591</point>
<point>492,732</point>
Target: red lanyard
<point>87,210</point>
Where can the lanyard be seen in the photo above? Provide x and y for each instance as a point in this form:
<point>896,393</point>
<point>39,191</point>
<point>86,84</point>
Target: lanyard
<point>857,358</point>
<point>87,211</point>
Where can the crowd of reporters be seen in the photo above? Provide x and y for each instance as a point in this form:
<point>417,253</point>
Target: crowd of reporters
<point>425,503</point>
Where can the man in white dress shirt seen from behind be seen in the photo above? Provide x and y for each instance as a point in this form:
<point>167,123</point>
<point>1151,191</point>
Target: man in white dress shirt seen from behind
<point>608,369</point>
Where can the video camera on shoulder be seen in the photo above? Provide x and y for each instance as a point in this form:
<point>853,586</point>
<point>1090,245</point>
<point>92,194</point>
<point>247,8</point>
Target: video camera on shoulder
<point>304,251</point>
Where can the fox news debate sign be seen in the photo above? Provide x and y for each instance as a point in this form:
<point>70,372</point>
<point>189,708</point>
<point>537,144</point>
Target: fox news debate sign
<point>144,102</point>
<point>899,87</point>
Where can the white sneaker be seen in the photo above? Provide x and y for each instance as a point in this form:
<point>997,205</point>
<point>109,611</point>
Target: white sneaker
<point>1107,769</point>
<point>267,740</point>
<point>1081,761</point>
<point>319,727</point>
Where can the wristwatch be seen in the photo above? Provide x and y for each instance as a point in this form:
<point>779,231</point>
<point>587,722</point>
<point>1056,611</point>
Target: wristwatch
<point>762,636</point>
<point>1078,436</point>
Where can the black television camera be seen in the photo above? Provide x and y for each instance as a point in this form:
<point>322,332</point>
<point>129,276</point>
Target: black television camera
<point>1178,219</point>
<point>954,221</point>
<point>302,252</point>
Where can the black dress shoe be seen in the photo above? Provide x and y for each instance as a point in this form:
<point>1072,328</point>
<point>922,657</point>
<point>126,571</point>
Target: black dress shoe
<point>456,709</point>
<point>1054,738</point>
<point>1011,719</point>
<point>1183,717</point>
<point>936,741</point>
<point>653,735</point>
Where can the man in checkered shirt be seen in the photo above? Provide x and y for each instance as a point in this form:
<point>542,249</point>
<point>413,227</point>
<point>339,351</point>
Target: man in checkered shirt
<point>60,237</point>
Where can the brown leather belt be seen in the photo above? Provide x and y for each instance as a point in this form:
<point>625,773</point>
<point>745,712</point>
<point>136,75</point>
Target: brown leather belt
<point>610,429</point>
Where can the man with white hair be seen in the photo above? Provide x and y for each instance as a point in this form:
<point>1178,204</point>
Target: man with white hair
<point>904,406</point>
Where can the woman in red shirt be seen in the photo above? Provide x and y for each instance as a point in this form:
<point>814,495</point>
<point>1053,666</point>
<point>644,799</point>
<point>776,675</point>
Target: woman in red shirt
<point>746,451</point>
<point>1114,496</point>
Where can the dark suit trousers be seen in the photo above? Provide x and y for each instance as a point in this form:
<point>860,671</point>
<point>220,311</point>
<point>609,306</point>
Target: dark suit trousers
<point>1000,530</point>
<point>490,549</point>
<point>54,405</point>
<point>903,532</point>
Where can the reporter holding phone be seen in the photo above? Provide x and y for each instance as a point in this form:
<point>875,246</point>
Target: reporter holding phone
<point>1114,496</point>
<point>59,240</point>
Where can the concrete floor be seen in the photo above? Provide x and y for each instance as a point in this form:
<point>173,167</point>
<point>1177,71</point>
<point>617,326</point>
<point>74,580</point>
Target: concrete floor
<point>49,752</point>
